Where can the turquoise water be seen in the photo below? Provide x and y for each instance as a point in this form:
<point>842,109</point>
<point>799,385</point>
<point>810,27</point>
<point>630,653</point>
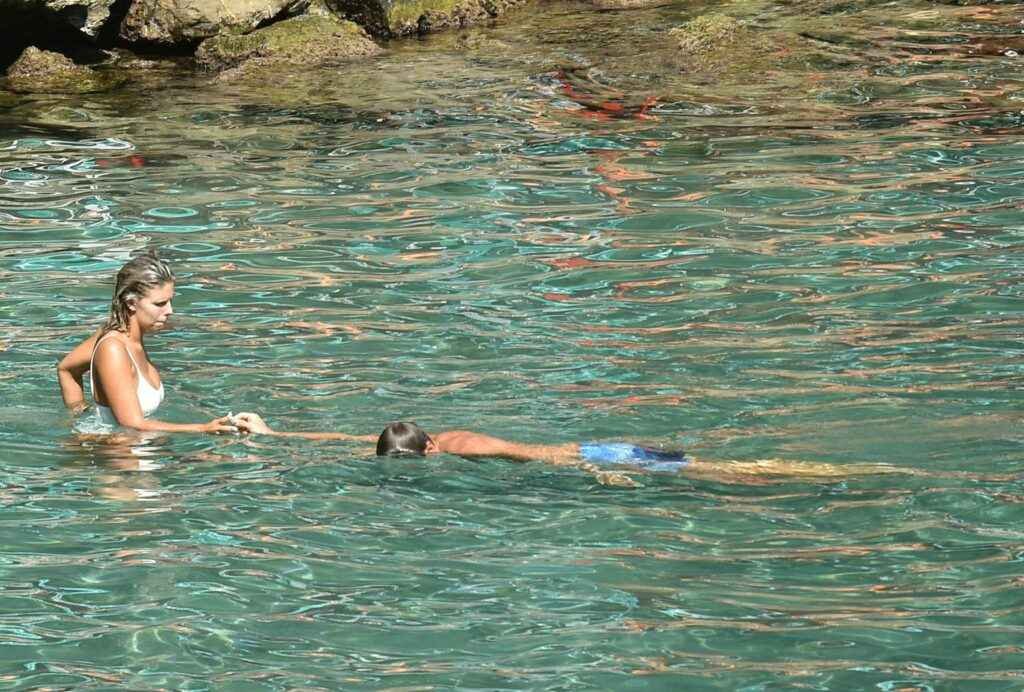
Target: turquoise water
<point>815,265</point>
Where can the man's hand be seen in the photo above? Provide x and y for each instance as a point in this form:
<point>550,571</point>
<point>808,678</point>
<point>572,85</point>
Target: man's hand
<point>251,423</point>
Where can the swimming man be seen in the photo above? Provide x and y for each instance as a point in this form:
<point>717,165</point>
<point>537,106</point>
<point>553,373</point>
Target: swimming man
<point>595,457</point>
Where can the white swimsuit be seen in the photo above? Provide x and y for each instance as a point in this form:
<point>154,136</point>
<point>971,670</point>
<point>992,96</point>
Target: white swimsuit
<point>149,396</point>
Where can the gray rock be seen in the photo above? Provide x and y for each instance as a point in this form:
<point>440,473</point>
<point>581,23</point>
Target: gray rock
<point>40,71</point>
<point>391,18</point>
<point>629,4</point>
<point>88,16</point>
<point>184,22</point>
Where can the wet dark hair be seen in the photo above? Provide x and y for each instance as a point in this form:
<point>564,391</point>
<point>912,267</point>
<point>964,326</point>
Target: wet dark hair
<point>134,280</point>
<point>402,438</point>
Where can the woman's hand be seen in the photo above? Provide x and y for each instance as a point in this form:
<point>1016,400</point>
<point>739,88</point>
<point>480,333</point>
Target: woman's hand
<point>251,423</point>
<point>224,424</point>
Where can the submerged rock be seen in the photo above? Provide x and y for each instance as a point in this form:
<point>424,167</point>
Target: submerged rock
<point>716,46</point>
<point>185,22</point>
<point>40,71</point>
<point>476,42</point>
<point>392,18</point>
<point>710,34</point>
<point>309,40</point>
<point>629,4</point>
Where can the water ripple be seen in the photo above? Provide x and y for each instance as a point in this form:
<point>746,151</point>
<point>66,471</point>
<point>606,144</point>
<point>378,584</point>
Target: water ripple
<point>817,271</point>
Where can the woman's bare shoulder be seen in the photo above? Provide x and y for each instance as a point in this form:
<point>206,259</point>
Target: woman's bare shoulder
<point>112,347</point>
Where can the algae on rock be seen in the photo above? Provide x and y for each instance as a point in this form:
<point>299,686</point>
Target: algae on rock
<point>40,71</point>
<point>309,40</point>
<point>713,38</point>
<point>629,4</point>
<point>720,47</point>
<point>394,18</point>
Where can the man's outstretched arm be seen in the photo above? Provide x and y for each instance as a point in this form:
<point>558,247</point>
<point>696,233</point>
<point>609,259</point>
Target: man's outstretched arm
<point>253,423</point>
<point>466,443</point>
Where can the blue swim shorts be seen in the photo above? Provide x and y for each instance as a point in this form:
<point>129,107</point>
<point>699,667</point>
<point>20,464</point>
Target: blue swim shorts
<point>611,453</point>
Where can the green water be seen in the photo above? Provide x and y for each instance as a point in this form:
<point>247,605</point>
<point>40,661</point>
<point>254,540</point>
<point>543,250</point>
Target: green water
<point>818,265</point>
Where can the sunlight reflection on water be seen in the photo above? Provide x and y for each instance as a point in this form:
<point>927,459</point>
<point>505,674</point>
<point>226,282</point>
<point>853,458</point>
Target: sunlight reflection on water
<point>820,267</point>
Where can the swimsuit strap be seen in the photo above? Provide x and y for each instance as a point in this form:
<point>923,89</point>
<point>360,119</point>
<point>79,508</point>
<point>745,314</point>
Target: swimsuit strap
<point>142,377</point>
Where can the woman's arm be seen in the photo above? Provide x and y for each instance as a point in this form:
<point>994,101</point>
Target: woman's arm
<point>253,423</point>
<point>115,377</point>
<point>70,371</point>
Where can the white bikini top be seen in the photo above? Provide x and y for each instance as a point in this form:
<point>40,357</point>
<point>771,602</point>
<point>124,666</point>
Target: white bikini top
<point>149,396</point>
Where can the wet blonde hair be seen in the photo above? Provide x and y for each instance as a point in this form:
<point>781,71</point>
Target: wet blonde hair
<point>134,279</point>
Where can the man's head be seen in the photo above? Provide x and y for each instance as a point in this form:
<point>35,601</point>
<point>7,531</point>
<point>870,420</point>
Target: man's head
<point>404,438</point>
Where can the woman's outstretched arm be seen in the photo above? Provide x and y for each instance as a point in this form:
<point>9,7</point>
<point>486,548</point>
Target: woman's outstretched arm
<point>115,376</point>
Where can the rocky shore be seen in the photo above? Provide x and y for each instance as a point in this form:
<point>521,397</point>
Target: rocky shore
<point>82,46</point>
<point>79,46</point>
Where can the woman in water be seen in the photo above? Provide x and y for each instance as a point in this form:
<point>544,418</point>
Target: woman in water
<point>126,385</point>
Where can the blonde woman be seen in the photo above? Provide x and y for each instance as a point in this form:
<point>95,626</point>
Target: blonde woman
<point>126,385</point>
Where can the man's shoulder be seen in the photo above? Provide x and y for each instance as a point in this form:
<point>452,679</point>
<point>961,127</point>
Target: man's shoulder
<point>465,442</point>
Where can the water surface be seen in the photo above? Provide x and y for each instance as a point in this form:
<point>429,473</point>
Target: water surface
<point>816,264</point>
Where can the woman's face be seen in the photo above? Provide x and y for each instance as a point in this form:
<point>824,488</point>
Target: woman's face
<point>154,307</point>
